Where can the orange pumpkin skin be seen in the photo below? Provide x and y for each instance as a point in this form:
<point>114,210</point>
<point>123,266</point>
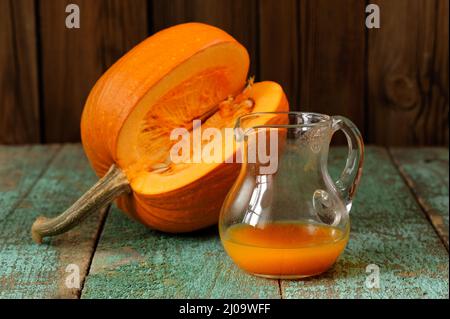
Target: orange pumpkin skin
<point>120,88</point>
<point>127,84</point>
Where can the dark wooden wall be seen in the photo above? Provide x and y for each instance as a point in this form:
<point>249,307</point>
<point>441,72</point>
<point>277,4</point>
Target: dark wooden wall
<point>392,82</point>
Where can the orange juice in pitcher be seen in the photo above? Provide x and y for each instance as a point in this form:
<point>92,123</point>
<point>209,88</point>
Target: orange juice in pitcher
<point>285,217</point>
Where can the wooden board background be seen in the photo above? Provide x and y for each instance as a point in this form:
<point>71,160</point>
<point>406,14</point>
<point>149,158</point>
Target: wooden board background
<point>392,82</point>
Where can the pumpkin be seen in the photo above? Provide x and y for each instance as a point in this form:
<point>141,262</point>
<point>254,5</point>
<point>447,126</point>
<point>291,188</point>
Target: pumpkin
<point>187,72</point>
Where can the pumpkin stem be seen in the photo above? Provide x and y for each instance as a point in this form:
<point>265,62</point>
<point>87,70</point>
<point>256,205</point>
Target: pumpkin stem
<point>113,184</point>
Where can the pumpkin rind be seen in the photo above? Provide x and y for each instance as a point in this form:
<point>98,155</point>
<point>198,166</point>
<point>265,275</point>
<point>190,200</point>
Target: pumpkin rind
<point>121,87</point>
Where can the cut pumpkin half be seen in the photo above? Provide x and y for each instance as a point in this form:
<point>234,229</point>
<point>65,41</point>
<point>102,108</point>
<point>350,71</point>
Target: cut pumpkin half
<point>186,73</point>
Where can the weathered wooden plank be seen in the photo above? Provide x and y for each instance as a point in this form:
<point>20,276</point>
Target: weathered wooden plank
<point>237,17</point>
<point>332,58</point>
<point>279,46</point>
<point>388,230</point>
<point>132,261</point>
<point>425,170</point>
<point>437,125</point>
<point>19,97</point>
<point>135,262</point>
<point>20,168</point>
<point>73,59</point>
<point>407,75</point>
<point>28,270</point>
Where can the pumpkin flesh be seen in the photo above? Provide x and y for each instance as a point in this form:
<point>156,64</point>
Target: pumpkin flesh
<point>186,194</point>
<point>145,174</point>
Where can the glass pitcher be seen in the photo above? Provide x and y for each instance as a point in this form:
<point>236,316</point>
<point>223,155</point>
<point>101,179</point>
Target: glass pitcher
<point>285,217</point>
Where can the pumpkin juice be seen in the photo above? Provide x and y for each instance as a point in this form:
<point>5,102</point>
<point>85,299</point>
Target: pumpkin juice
<point>186,73</point>
<point>284,249</point>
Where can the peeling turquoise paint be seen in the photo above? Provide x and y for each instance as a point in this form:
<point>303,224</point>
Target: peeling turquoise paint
<point>28,270</point>
<point>389,229</point>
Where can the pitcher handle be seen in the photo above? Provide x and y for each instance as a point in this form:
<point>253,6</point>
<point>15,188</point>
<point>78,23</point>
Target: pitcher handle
<point>349,180</point>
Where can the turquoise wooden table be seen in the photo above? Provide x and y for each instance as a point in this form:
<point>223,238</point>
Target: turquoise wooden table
<point>399,224</point>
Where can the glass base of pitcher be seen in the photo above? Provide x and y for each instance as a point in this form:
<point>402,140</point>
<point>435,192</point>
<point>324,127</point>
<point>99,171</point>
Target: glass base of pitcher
<point>286,277</point>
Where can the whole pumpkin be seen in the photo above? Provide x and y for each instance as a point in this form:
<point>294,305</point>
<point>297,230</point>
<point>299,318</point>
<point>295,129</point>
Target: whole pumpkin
<point>188,72</point>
